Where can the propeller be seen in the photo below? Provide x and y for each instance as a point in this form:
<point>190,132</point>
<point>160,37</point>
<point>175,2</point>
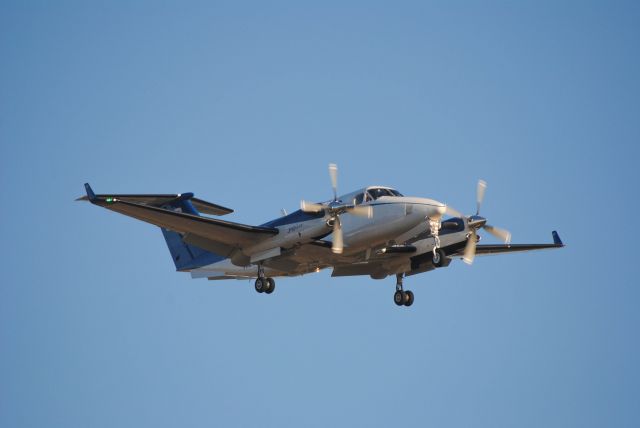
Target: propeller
<point>453,212</point>
<point>476,222</point>
<point>334,209</point>
<point>501,234</point>
<point>470,248</point>
<point>338,241</point>
<point>333,173</point>
<point>480,190</point>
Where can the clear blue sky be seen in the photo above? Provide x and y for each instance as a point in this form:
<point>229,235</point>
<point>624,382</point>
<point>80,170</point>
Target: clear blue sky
<point>245,104</point>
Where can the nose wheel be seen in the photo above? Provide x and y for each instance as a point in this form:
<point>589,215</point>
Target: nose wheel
<point>438,257</point>
<point>401,297</point>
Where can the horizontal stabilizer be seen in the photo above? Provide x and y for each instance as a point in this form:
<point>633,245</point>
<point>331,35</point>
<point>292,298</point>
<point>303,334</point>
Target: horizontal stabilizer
<point>158,200</point>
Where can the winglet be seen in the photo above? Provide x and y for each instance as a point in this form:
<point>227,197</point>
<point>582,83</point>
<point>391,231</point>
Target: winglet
<point>90,194</point>
<point>556,238</point>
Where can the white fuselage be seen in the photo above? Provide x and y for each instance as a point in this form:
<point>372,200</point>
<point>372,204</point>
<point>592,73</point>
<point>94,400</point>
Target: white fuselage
<point>394,220</point>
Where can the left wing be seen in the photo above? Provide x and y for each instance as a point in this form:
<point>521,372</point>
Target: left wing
<point>484,250</point>
<point>158,200</point>
<point>223,234</point>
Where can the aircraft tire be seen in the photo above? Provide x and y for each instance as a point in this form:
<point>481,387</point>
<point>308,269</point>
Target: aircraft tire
<point>399,297</point>
<point>260,285</point>
<point>271,285</point>
<point>438,260</point>
<point>408,298</point>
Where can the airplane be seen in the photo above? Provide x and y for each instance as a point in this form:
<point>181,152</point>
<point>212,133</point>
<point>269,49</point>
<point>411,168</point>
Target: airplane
<point>373,231</point>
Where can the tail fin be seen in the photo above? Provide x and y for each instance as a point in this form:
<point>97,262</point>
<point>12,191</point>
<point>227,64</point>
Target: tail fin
<point>186,256</point>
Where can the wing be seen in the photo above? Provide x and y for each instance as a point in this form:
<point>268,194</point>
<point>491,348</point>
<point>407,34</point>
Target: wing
<point>485,250</point>
<point>215,235</point>
<point>158,200</point>
<point>399,258</point>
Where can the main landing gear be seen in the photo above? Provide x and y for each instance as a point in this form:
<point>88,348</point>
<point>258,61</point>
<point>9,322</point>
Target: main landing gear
<point>264,285</point>
<point>401,297</point>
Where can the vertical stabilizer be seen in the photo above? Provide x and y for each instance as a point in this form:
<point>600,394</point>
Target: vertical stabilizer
<point>186,256</point>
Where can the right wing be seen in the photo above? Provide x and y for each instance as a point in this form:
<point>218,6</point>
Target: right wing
<point>484,250</point>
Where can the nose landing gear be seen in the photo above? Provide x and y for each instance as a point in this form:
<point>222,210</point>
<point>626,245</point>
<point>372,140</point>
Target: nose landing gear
<point>434,229</point>
<point>401,297</point>
<point>438,257</point>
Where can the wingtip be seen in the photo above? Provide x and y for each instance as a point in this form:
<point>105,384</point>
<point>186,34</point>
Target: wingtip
<point>556,238</point>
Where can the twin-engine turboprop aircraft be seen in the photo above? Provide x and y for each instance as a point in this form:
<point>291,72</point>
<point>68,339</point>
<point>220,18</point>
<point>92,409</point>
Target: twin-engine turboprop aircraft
<point>374,231</point>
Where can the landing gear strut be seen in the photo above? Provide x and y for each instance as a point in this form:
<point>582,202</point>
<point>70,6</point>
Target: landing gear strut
<point>401,297</point>
<point>434,229</point>
<point>262,284</point>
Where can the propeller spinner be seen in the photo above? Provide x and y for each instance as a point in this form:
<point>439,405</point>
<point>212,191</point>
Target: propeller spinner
<point>334,209</point>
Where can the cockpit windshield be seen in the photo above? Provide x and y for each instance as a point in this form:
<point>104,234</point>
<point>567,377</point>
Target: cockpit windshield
<point>377,193</point>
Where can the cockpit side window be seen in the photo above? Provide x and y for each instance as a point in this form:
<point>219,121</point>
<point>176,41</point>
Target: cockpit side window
<point>395,192</point>
<point>358,199</point>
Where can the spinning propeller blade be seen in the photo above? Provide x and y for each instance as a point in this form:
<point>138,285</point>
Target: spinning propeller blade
<point>338,243</point>
<point>311,207</point>
<point>361,211</point>
<point>480,190</point>
<point>502,234</point>
<point>333,173</point>
<point>470,248</point>
<point>453,212</point>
